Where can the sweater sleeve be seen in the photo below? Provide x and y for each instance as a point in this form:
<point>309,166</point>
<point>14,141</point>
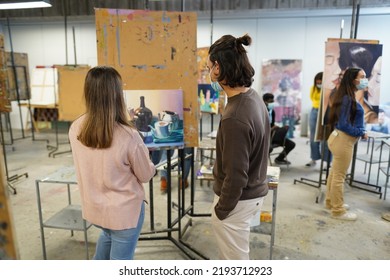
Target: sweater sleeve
<point>235,157</point>
<point>141,164</point>
<point>357,129</point>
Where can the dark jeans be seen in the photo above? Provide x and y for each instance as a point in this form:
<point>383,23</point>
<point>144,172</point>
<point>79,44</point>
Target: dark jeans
<point>278,139</point>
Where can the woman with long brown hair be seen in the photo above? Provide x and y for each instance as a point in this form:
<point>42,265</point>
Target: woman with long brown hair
<point>112,162</point>
<point>347,117</point>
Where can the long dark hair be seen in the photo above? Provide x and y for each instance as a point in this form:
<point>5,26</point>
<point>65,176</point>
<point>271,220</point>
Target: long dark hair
<point>231,56</point>
<point>346,88</point>
<point>318,76</point>
<point>105,107</point>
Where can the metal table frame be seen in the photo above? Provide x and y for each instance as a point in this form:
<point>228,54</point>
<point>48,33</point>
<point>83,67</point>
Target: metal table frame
<point>70,217</point>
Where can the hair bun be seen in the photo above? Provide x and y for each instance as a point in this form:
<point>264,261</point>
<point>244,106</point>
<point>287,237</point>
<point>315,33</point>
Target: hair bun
<point>246,40</point>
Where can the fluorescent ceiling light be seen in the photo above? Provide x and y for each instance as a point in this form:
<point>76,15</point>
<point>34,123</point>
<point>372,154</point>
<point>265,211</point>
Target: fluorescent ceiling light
<point>24,4</point>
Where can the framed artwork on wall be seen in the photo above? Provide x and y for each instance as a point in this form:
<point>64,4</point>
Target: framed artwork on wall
<point>282,78</point>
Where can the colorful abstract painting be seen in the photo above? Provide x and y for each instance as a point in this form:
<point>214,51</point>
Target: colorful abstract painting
<point>208,99</point>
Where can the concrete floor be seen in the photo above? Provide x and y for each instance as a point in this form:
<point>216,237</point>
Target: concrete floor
<point>304,231</point>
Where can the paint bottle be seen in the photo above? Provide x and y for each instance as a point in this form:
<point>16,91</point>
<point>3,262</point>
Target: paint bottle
<point>266,217</point>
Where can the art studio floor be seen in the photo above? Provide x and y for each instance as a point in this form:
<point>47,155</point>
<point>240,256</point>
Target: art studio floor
<point>304,230</point>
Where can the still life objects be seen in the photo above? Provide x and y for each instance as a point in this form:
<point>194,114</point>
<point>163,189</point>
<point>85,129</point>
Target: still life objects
<point>143,116</point>
<point>159,118</point>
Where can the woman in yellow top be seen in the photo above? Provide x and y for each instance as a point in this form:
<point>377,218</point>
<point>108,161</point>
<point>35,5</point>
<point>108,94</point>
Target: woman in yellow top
<point>315,96</point>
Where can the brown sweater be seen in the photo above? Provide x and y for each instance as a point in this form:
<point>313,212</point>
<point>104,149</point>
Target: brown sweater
<point>242,146</point>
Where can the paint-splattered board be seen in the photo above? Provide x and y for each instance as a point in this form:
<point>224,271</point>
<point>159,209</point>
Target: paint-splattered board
<point>153,50</point>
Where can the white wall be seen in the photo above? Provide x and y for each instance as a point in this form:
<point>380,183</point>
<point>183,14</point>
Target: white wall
<point>287,37</point>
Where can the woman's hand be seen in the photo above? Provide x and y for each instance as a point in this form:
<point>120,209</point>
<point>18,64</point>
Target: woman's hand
<point>131,113</point>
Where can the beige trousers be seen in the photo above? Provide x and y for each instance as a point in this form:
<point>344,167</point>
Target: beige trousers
<point>232,233</point>
<point>341,145</point>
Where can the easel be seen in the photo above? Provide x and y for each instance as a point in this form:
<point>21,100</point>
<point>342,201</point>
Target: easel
<point>55,148</point>
<point>13,177</point>
<point>321,181</point>
<point>8,248</point>
<point>174,225</point>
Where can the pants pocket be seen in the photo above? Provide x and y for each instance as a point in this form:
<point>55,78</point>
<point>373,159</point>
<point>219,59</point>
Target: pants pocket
<point>331,138</point>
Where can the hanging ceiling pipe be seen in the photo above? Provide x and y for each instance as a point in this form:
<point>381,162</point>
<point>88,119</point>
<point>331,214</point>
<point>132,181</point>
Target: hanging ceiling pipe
<point>211,21</point>
<point>357,20</point>
<point>352,35</point>
<point>66,29</point>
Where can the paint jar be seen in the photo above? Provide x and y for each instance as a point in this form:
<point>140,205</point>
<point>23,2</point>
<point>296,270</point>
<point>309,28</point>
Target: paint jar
<point>266,217</point>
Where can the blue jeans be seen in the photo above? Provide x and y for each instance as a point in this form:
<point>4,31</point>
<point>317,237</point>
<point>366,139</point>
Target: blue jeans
<point>315,146</point>
<point>119,244</point>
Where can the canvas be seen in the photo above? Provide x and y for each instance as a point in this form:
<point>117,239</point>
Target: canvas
<point>161,123</point>
<point>282,78</point>
<point>153,50</point>
<point>208,99</point>
<point>366,54</point>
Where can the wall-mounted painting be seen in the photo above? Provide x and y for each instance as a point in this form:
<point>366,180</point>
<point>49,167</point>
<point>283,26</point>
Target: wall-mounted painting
<point>282,78</point>
<point>158,116</point>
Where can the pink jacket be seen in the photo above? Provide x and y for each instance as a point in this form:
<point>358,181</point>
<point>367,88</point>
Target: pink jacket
<point>111,180</point>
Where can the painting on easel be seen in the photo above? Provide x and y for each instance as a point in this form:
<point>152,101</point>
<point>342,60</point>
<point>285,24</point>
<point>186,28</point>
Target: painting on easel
<point>153,50</point>
<point>341,54</point>
<point>158,116</point>
<point>208,99</point>
<point>5,103</point>
<point>18,89</point>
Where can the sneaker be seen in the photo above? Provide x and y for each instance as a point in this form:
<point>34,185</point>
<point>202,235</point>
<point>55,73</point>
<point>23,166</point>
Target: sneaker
<point>282,161</point>
<point>311,163</point>
<point>346,207</point>
<point>326,169</point>
<point>347,216</point>
<point>163,185</point>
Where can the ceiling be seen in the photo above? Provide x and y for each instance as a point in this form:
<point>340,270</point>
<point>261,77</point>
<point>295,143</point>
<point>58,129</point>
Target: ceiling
<point>85,8</point>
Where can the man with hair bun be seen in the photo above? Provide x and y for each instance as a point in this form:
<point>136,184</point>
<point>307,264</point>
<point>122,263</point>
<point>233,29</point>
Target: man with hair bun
<point>242,145</point>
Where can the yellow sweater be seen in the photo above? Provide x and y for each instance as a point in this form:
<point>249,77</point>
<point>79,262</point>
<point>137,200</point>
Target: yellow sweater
<point>315,96</point>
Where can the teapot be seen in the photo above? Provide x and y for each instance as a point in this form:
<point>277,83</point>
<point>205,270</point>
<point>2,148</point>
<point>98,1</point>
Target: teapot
<point>171,117</point>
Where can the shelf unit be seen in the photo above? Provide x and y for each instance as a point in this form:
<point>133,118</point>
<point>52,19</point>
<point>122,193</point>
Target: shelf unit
<point>273,174</point>
<point>67,218</point>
